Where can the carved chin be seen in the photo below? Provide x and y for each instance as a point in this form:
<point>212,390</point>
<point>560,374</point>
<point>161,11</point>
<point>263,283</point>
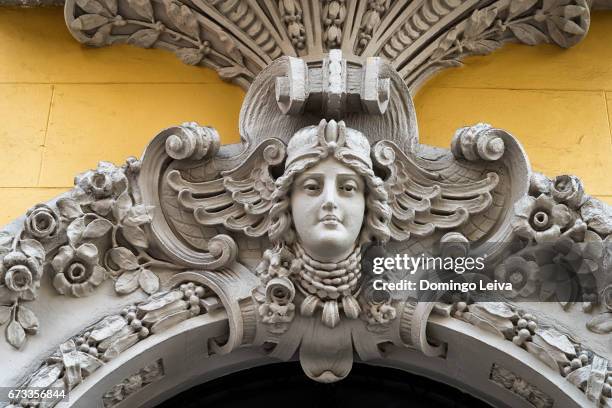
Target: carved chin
<point>324,243</point>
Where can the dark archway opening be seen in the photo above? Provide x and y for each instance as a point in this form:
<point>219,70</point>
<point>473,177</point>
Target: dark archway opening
<point>286,385</point>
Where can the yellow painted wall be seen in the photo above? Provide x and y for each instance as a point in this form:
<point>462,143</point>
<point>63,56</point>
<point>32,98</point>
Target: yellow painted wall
<point>63,107</point>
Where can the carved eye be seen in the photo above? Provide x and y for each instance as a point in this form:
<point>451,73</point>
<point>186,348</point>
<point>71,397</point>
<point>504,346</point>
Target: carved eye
<point>311,185</point>
<point>349,186</point>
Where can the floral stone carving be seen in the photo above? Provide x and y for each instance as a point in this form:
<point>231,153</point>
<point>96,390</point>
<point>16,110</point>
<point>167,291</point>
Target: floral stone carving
<point>278,233</point>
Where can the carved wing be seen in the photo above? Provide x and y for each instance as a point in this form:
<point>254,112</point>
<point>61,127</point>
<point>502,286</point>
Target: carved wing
<point>421,201</point>
<point>240,199</point>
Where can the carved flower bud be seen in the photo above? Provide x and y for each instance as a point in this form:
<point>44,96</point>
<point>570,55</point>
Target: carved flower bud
<point>20,273</point>
<point>42,221</point>
<point>280,291</point>
<point>18,278</point>
<point>539,184</point>
<point>101,184</point>
<point>568,189</point>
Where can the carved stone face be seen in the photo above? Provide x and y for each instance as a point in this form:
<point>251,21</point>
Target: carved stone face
<point>327,206</point>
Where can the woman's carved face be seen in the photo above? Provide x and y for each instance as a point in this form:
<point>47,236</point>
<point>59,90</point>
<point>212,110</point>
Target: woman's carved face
<point>327,207</point>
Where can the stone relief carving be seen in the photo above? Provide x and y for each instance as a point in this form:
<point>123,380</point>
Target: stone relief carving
<point>239,39</point>
<point>134,383</point>
<point>517,385</point>
<point>279,231</point>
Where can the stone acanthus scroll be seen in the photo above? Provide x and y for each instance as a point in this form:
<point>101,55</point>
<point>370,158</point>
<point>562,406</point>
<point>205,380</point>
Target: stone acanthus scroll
<point>279,231</point>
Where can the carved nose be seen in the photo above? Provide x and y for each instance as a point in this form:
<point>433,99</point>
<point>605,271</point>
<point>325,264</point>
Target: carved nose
<point>329,205</point>
<point>329,202</point>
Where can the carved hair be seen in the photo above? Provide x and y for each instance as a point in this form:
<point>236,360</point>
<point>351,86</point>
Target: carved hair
<point>378,212</point>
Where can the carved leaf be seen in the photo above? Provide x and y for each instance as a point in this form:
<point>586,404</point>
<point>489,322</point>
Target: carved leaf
<point>567,25</point>
<point>528,34</point>
<point>97,228</point>
<point>446,42</point>
<point>106,343</point>
<point>143,8</point>
<point>601,324</point>
<point>119,346</point>
<point>483,47</point>
<point>111,5</point>
<point>88,22</point>
<point>5,314</point>
<point>138,215</point>
<point>161,300</point>
<point>228,73</point>
<point>482,323</point>
<point>127,282</point>
<point>597,215</point>
<point>5,239</point>
<point>92,7</point>
<point>69,208</point>
<point>541,354</point>
<point>229,45</point>
<point>144,38</point>
<point>124,201</point>
<point>520,6</point>
<point>148,281</point>
<point>556,34</point>
<point>183,18</point>
<point>557,340</point>
<point>547,4</point>
<point>45,376</point>
<point>33,249</point>
<point>170,321</point>
<point>75,231</point>
<point>479,21</point>
<point>191,56</point>
<point>27,319</point>
<point>171,308</point>
<point>494,317</point>
<point>570,11</point>
<point>15,334</point>
<point>135,236</point>
<point>554,353</point>
<point>124,258</point>
<point>101,37</point>
<point>107,327</point>
<point>498,309</point>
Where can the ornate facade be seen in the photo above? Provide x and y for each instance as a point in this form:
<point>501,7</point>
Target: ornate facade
<point>261,251</point>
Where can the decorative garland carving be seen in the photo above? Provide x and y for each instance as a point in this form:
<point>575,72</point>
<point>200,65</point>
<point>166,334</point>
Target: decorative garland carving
<point>81,355</point>
<point>238,39</point>
<point>281,230</point>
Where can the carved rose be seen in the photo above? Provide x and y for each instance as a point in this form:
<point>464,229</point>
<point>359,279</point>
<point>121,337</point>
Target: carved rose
<point>42,221</point>
<point>540,218</point>
<point>568,190</point>
<point>99,187</point>
<point>77,270</point>
<point>522,274</point>
<point>20,274</point>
